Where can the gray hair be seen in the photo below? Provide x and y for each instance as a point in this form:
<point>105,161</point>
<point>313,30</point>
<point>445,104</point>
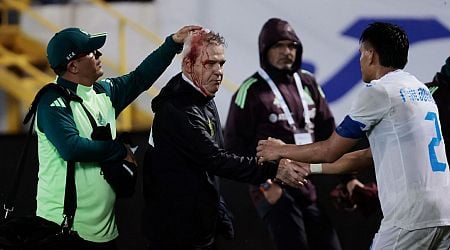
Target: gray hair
<point>198,39</point>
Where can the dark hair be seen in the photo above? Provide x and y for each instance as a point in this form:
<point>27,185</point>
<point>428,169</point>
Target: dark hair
<point>60,70</point>
<point>389,41</point>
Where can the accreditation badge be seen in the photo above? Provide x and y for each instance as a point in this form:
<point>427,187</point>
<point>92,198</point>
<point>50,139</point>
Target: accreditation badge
<point>302,138</point>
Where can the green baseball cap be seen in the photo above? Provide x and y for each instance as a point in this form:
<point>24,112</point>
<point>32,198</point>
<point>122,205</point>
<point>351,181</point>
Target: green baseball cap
<point>70,42</point>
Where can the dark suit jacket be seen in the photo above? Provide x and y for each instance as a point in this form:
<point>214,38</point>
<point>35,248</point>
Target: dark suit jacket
<point>181,198</point>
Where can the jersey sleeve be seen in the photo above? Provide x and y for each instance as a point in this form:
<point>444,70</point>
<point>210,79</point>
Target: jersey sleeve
<point>54,118</point>
<point>371,105</point>
<point>125,89</point>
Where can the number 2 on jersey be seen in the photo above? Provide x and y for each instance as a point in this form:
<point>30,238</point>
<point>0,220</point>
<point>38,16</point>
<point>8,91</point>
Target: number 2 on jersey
<point>436,166</point>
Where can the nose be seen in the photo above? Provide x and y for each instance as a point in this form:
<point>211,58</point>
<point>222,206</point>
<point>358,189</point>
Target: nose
<point>97,54</point>
<point>218,68</point>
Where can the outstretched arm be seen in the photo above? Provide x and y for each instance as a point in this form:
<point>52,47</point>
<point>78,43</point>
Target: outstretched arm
<point>350,162</point>
<point>324,151</point>
<point>126,88</point>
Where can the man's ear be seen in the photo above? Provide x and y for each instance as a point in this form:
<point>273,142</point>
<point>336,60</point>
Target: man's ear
<point>187,65</point>
<point>72,67</point>
<point>373,57</point>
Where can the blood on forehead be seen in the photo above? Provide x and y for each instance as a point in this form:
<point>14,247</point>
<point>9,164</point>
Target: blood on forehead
<point>196,50</point>
<point>196,46</point>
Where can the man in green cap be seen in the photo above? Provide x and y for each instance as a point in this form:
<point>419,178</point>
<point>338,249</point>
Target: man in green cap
<point>440,89</point>
<point>65,132</point>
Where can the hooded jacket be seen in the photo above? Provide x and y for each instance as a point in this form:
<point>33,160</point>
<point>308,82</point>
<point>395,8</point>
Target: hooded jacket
<point>440,89</point>
<point>273,31</point>
<point>255,113</point>
<point>188,153</point>
<point>249,118</point>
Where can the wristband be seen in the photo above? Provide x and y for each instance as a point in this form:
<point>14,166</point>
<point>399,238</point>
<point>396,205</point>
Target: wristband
<point>316,168</point>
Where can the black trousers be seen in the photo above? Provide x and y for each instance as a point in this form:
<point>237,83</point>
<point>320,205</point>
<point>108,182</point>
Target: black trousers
<point>297,225</point>
<point>111,245</point>
<point>158,246</point>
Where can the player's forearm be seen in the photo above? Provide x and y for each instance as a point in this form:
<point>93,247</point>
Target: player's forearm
<point>313,153</point>
<point>350,162</point>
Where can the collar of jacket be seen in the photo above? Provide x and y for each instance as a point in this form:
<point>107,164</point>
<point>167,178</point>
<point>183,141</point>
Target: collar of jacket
<point>280,76</point>
<point>194,93</point>
<point>75,87</point>
<point>177,88</point>
<point>67,84</point>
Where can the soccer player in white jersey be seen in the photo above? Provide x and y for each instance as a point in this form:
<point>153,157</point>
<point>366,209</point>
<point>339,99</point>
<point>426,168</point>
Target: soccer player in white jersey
<point>398,115</point>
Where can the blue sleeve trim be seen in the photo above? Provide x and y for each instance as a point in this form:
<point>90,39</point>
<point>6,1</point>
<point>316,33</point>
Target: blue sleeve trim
<point>350,128</point>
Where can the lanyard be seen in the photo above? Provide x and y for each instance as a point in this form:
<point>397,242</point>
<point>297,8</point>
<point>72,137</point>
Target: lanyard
<point>284,107</point>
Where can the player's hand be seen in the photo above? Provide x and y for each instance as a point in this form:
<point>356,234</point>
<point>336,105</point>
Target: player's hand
<point>276,141</point>
<point>180,35</point>
<point>291,174</point>
<point>268,150</point>
<point>305,166</point>
<point>352,184</point>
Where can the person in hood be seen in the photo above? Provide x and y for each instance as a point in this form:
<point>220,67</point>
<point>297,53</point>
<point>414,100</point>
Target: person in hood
<point>440,89</point>
<point>184,209</point>
<point>283,101</point>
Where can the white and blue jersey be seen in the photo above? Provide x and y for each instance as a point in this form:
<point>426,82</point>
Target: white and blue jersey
<point>401,120</point>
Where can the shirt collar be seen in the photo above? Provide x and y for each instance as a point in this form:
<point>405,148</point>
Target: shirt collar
<point>185,78</point>
<point>81,90</point>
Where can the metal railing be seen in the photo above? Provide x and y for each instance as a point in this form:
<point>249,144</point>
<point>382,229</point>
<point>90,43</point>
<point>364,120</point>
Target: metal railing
<point>125,121</point>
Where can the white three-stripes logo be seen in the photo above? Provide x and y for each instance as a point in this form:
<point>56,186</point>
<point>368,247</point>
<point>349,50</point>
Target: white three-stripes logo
<point>58,103</point>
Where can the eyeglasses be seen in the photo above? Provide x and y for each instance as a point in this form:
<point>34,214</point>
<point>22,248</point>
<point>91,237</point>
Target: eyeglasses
<point>62,68</point>
<point>95,53</point>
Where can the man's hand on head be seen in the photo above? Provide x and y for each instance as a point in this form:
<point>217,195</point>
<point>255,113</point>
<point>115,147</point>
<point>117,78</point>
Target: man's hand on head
<point>181,35</point>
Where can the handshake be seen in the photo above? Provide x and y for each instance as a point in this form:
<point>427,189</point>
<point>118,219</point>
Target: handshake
<point>293,173</point>
<point>289,172</point>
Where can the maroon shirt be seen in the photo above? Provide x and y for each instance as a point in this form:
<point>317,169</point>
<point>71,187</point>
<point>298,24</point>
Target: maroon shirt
<point>440,89</point>
<point>253,118</point>
<point>254,114</point>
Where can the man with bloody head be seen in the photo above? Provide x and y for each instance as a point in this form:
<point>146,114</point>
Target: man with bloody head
<point>184,209</point>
